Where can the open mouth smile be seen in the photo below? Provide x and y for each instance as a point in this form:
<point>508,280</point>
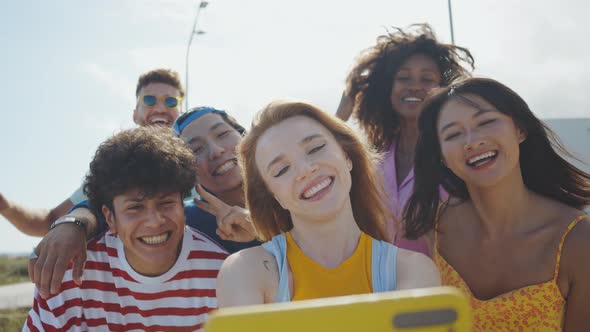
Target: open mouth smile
<point>159,121</point>
<point>482,159</point>
<point>412,100</point>
<point>317,190</point>
<point>155,239</point>
<point>225,167</point>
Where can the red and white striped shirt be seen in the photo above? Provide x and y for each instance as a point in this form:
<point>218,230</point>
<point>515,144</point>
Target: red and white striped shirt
<point>113,297</point>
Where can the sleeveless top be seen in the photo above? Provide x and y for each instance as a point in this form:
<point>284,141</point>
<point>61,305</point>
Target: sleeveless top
<point>538,307</point>
<point>383,266</point>
<point>312,280</point>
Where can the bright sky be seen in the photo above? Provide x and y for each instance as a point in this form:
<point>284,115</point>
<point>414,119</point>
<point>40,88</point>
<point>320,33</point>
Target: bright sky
<point>70,67</point>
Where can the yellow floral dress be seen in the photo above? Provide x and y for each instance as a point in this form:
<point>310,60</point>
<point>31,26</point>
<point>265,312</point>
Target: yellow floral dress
<point>539,307</point>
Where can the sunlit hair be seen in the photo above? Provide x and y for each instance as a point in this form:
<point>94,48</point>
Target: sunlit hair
<point>370,82</point>
<point>542,164</point>
<point>160,75</point>
<point>149,159</point>
<point>270,219</point>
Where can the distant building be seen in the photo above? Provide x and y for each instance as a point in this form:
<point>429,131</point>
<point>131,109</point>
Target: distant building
<point>575,136</point>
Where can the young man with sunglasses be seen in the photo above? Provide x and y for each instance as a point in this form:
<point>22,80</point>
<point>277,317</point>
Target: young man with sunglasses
<point>159,96</point>
<point>148,271</point>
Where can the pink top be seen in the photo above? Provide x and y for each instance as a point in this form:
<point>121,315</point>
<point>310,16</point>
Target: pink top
<point>398,196</point>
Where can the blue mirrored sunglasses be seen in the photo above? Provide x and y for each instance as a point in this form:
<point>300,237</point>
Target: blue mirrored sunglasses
<point>169,101</point>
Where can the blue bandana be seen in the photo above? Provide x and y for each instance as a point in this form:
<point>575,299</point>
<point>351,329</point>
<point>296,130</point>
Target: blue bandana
<point>192,115</point>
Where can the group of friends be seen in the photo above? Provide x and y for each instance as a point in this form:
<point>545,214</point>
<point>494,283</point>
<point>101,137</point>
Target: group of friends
<point>452,180</point>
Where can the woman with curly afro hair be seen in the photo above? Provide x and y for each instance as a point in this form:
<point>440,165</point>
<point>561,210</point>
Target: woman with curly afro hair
<point>384,93</point>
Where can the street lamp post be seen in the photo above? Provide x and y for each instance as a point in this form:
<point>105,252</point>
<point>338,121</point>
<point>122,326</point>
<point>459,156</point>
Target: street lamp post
<point>451,23</point>
<point>202,4</point>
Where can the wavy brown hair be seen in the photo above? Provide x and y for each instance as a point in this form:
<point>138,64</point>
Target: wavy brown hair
<point>542,164</point>
<point>270,219</point>
<point>370,82</point>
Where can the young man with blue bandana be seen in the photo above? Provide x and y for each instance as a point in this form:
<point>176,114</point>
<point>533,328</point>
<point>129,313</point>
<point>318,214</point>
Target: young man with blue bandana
<point>220,215</point>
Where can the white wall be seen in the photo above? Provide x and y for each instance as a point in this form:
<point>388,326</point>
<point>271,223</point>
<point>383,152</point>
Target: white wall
<point>575,135</point>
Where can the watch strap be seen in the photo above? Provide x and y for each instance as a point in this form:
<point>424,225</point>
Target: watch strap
<point>67,219</point>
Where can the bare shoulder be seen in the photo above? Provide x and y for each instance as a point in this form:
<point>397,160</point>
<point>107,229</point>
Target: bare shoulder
<point>555,210</point>
<point>251,261</point>
<point>576,248</point>
<point>415,270</point>
<point>249,276</point>
<point>574,275</point>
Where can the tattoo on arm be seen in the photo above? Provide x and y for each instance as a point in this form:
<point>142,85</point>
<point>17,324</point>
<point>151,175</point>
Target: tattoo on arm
<point>266,265</point>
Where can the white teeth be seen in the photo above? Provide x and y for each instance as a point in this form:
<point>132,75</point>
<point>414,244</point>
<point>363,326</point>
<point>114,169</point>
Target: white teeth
<point>481,156</point>
<point>159,121</point>
<point>157,239</point>
<point>313,190</point>
<point>225,167</point>
<point>412,99</point>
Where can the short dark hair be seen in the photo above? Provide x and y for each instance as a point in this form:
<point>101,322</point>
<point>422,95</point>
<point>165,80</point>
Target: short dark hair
<point>544,169</point>
<point>150,159</point>
<point>370,82</point>
<point>160,75</point>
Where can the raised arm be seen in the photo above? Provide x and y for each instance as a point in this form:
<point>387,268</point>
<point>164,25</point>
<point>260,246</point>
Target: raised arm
<point>64,244</point>
<point>32,221</point>
<point>345,108</point>
<point>247,277</point>
<point>415,270</point>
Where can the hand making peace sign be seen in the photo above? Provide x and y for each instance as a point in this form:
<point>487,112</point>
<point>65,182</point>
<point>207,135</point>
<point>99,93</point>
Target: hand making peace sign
<point>233,222</point>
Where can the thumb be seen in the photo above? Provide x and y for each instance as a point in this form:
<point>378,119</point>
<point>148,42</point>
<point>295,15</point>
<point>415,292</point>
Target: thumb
<point>31,268</point>
<point>78,268</point>
<point>223,235</point>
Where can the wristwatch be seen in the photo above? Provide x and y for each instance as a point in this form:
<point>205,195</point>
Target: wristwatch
<point>67,219</point>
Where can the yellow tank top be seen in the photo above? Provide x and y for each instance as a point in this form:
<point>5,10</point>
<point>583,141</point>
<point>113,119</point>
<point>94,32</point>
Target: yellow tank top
<point>311,280</point>
<point>539,307</point>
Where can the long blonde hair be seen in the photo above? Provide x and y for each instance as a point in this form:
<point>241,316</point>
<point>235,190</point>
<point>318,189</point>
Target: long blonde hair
<point>369,208</point>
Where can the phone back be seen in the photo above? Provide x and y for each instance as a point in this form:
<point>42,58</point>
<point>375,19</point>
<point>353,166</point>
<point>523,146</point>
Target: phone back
<point>421,310</point>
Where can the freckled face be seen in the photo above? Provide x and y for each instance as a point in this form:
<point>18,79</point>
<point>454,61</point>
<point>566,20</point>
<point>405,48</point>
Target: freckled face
<point>304,167</point>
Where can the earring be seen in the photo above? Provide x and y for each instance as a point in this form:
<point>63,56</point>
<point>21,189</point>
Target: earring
<point>349,164</point>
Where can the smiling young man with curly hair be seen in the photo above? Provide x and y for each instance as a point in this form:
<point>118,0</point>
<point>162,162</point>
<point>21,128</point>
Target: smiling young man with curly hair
<point>148,271</point>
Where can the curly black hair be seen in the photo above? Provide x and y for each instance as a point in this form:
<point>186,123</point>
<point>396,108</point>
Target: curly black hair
<point>370,81</point>
<point>149,159</point>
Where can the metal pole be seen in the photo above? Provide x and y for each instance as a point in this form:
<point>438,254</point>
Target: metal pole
<point>451,23</point>
<point>202,4</point>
